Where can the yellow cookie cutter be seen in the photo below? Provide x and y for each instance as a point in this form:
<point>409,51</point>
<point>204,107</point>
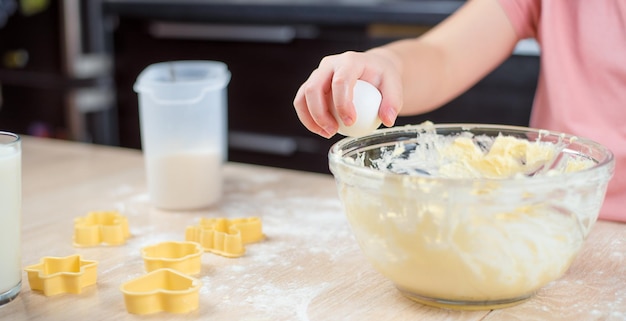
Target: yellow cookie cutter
<point>181,256</point>
<point>56,275</point>
<point>226,237</point>
<point>106,227</point>
<point>161,290</point>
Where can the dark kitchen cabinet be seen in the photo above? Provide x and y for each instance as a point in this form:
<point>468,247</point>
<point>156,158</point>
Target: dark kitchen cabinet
<point>55,72</point>
<point>269,62</point>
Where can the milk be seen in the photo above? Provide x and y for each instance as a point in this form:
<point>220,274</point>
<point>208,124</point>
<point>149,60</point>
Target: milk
<point>184,180</point>
<point>10,217</point>
<point>183,122</point>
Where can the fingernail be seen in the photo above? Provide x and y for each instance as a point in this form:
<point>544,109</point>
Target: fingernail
<point>328,131</point>
<point>347,120</point>
<point>390,116</point>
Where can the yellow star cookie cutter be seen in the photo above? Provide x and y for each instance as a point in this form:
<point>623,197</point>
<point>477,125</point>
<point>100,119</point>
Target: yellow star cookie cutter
<point>96,228</point>
<point>161,290</point>
<point>226,237</point>
<point>56,275</point>
<point>181,256</point>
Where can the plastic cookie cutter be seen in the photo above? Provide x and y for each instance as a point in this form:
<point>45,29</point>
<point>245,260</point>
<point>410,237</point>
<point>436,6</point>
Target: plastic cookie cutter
<point>226,237</point>
<point>181,256</point>
<point>56,275</point>
<point>107,227</point>
<point>161,290</point>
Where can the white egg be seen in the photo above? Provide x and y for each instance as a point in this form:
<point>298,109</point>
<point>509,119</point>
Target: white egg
<point>366,99</point>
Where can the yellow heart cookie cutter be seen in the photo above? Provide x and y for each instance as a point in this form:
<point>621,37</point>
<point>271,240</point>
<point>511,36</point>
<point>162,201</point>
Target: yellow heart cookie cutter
<point>161,290</point>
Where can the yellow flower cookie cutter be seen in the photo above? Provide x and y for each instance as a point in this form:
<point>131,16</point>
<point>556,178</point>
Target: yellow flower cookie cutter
<point>181,256</point>
<point>96,228</point>
<point>161,290</point>
<point>226,237</point>
<point>56,275</point>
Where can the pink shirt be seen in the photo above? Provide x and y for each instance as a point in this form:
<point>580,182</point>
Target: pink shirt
<point>582,81</point>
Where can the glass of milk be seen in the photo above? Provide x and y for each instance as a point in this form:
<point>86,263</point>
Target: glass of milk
<point>10,216</point>
<point>183,120</point>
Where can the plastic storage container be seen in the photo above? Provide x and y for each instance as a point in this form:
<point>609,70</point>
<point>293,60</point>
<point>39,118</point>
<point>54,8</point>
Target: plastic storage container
<point>183,119</point>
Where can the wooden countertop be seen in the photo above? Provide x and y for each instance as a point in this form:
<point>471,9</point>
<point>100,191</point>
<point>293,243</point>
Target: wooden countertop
<point>308,268</point>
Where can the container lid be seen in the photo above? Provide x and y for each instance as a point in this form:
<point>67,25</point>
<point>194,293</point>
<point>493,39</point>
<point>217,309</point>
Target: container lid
<point>191,75</point>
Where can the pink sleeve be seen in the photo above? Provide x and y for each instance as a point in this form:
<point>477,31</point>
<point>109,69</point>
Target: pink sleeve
<point>524,16</point>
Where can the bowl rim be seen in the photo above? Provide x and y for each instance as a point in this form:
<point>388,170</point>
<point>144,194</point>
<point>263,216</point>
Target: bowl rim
<point>335,156</point>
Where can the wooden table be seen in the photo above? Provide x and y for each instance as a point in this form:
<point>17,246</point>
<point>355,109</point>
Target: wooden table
<point>308,268</point>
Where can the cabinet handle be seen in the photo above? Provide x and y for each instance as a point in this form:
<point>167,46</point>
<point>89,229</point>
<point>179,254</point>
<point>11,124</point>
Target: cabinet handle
<point>78,63</point>
<point>264,143</point>
<point>220,32</point>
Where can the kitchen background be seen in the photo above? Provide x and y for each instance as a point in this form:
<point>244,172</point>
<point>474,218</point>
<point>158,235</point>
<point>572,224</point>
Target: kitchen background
<point>67,67</point>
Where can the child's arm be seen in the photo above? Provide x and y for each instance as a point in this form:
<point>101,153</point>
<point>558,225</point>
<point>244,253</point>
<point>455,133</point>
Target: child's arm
<point>413,75</point>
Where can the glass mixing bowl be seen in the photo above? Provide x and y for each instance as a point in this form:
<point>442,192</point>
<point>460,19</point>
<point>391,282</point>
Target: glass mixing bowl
<point>468,243</point>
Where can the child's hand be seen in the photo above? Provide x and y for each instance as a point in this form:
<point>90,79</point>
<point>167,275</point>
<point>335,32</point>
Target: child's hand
<point>330,86</point>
